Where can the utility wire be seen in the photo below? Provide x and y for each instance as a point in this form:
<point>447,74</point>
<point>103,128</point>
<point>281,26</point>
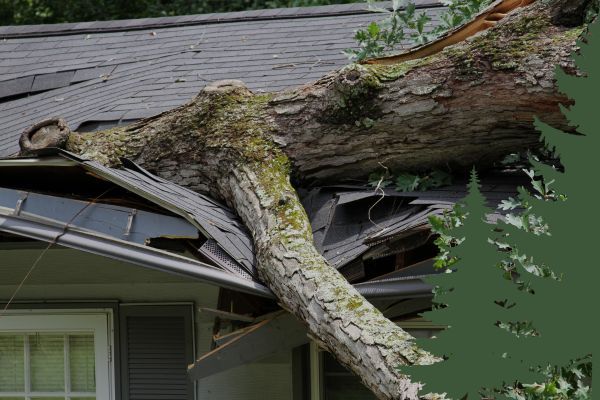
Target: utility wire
<point>50,244</point>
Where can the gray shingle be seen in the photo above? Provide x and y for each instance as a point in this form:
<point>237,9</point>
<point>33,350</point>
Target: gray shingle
<point>52,81</point>
<point>87,74</point>
<point>15,86</point>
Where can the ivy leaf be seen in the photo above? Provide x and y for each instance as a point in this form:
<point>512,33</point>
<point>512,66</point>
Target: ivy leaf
<point>510,204</point>
<point>539,187</point>
<point>439,178</point>
<point>421,21</point>
<point>511,159</point>
<point>407,182</point>
<point>529,172</point>
<point>437,223</point>
<point>380,179</point>
<point>514,220</point>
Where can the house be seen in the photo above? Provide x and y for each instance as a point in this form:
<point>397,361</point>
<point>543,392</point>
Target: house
<point>119,284</point>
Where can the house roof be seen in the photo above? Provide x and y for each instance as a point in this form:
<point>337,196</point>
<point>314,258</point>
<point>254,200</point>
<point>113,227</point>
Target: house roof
<point>98,74</point>
<point>228,244</point>
<point>351,224</point>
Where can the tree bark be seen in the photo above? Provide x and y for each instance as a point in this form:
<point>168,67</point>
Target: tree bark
<point>472,103</point>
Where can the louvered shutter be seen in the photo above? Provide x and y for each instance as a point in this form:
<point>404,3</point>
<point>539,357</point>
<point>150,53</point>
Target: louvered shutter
<point>157,348</point>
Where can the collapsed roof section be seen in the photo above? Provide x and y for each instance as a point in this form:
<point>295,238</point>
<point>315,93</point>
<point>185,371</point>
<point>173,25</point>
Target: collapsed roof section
<point>381,243</point>
<point>227,244</point>
<point>354,227</point>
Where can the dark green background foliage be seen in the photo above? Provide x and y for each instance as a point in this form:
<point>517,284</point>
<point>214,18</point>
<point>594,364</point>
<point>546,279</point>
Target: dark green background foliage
<point>545,313</point>
<point>564,310</point>
<point>16,12</point>
<point>470,294</point>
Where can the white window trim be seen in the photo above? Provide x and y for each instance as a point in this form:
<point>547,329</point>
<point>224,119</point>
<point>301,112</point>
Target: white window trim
<point>100,322</point>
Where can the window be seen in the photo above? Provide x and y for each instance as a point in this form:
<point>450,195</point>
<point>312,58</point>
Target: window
<point>55,357</point>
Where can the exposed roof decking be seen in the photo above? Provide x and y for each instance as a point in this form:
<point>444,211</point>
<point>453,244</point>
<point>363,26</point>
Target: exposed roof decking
<point>88,73</point>
<point>348,222</point>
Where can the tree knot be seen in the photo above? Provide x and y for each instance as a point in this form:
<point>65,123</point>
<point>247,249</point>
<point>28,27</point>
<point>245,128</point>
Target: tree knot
<point>352,97</point>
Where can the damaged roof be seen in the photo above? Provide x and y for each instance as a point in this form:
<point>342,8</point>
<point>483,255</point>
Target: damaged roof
<point>351,225</point>
<point>57,213</point>
<point>228,243</point>
<point>98,74</point>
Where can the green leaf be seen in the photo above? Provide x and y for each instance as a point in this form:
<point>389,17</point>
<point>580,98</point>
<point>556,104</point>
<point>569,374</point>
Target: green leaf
<point>439,178</point>
<point>407,182</point>
<point>373,29</point>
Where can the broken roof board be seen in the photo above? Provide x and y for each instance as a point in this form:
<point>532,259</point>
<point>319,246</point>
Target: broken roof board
<point>119,71</point>
<point>213,219</point>
<point>129,252</point>
<point>342,234</point>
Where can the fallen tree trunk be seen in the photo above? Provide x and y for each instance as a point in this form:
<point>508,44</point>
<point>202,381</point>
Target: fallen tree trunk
<point>471,103</point>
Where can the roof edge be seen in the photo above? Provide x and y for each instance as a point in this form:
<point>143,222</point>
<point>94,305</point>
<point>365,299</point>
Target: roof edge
<point>62,29</point>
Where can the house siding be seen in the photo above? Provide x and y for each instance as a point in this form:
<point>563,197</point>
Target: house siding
<point>267,379</point>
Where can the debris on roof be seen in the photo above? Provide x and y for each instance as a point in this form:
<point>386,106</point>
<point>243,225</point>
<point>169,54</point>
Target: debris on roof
<point>382,243</point>
<point>354,226</point>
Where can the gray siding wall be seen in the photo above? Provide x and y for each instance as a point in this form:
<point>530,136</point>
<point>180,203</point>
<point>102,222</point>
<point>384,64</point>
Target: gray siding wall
<point>269,379</point>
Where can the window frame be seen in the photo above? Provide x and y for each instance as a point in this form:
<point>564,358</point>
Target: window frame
<point>99,322</point>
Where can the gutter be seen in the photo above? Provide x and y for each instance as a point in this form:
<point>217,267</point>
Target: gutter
<point>173,264</point>
<point>132,253</point>
<point>396,289</point>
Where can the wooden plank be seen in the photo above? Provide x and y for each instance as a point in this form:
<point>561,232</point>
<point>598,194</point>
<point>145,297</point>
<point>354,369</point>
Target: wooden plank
<point>226,315</point>
<point>281,332</point>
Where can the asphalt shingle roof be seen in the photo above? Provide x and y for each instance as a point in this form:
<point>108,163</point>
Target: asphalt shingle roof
<point>95,73</point>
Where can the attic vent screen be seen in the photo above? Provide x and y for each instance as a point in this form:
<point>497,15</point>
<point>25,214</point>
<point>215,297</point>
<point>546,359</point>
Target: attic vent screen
<point>213,252</point>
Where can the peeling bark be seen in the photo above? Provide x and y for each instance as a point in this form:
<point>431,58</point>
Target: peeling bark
<point>471,103</point>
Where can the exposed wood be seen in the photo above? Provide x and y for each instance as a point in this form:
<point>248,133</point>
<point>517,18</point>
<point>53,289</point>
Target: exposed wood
<point>268,337</point>
<point>52,132</point>
<point>470,103</point>
<point>484,20</point>
<point>226,315</point>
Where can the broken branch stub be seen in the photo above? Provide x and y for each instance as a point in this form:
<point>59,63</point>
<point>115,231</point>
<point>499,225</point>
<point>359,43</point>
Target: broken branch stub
<point>48,133</point>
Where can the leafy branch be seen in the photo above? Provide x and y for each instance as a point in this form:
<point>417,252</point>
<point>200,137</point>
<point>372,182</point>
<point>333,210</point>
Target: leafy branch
<point>406,182</point>
<point>405,27</point>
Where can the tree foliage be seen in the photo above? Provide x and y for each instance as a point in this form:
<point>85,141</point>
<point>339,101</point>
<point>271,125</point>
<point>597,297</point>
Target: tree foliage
<point>404,26</point>
<point>567,214</point>
<point>18,12</point>
<point>544,248</point>
<point>472,301</point>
